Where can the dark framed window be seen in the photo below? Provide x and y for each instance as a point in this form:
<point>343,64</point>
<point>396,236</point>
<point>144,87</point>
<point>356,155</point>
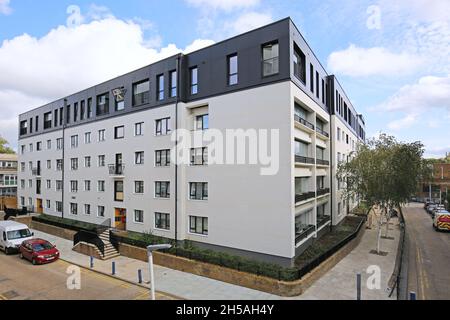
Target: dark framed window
<point>37,124</point>
<point>139,187</point>
<point>198,225</point>
<point>119,132</point>
<point>61,116</point>
<point>193,80</point>
<point>162,189</point>
<point>233,75</point>
<point>323,91</point>
<point>139,216</point>
<point>74,209</point>
<point>162,158</point>
<point>317,85</point>
<point>199,156</point>
<point>118,191</point>
<point>311,77</point>
<point>101,211</point>
<point>23,127</point>
<point>89,108</point>
<point>75,112</point>
<point>139,157</point>
<point>270,57</point>
<point>56,117</point>
<point>31,125</point>
<point>198,191</point>
<point>173,84</point>
<point>299,59</point>
<point>160,87</point>
<point>48,120</point>
<point>82,110</point>
<point>141,93</point>
<point>162,221</point>
<point>103,104</point>
<point>139,129</point>
<point>202,122</point>
<point>162,127</point>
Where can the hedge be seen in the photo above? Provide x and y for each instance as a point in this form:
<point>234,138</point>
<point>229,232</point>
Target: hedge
<point>70,224</point>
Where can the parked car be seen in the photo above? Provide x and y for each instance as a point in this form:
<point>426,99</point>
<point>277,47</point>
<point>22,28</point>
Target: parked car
<point>441,220</point>
<point>38,251</point>
<point>12,234</point>
<point>430,207</point>
<point>436,209</point>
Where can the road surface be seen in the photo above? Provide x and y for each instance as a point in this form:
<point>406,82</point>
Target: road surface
<point>20,280</point>
<point>428,256</point>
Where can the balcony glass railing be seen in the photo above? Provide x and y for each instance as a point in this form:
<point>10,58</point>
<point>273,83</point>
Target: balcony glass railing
<point>324,191</point>
<point>304,196</point>
<point>322,162</point>
<point>303,159</point>
<point>304,232</point>
<point>304,122</point>
<point>322,220</point>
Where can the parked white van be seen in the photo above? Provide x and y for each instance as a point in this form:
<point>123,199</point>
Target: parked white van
<point>12,234</point>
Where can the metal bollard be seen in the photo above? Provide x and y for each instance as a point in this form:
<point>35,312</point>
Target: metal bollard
<point>358,286</point>
<point>140,276</point>
<point>113,268</point>
<point>412,295</point>
<point>92,262</point>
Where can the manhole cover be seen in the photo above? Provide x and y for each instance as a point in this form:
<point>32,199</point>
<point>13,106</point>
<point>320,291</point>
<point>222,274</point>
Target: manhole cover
<point>10,295</point>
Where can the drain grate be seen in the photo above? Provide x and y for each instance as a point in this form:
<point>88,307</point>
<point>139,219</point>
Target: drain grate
<point>10,295</point>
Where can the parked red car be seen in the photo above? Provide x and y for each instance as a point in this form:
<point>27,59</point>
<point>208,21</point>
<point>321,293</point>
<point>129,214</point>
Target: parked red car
<point>38,251</point>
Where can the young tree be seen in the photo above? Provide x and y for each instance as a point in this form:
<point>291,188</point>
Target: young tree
<point>385,173</point>
<point>4,146</point>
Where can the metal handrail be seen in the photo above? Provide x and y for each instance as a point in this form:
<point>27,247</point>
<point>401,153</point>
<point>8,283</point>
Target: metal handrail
<point>304,122</point>
<point>305,234</point>
<point>321,192</point>
<point>302,159</point>
<point>323,162</point>
<point>322,132</point>
<point>304,196</point>
<point>116,170</point>
<point>323,221</point>
<point>89,237</point>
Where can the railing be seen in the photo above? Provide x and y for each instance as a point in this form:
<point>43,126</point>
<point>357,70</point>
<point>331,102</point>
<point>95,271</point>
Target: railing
<point>14,212</point>
<point>304,122</point>
<point>321,192</point>
<point>322,132</point>
<point>89,237</point>
<point>116,170</point>
<point>36,172</point>
<point>305,233</point>
<point>302,159</point>
<point>321,162</point>
<point>321,221</point>
<point>304,196</point>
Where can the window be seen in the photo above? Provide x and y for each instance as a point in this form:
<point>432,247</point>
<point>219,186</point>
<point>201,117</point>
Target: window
<point>74,141</point>
<point>317,85</point>
<point>22,166</point>
<point>139,187</point>
<point>162,221</point>
<point>38,146</point>
<point>101,186</point>
<point>323,91</point>
<point>101,161</point>
<point>301,148</point>
<point>138,216</point>
<point>59,144</point>
<point>87,162</point>
<point>162,127</point>
<point>199,156</point>
<point>162,158</point>
<point>141,93</point>
<point>119,105</point>
<point>198,191</point>
<point>74,164</point>
<point>198,225</point>
<point>59,165</point>
<point>233,77</point>
<point>49,184</point>
<point>22,149</point>
<point>118,191</point>
<point>339,134</point>
<point>49,144</point>
<point>160,87</point>
<point>48,204</point>
<point>139,157</point>
<point>59,206</point>
<point>37,124</point>
<point>103,104</point>
<point>31,125</point>
<point>48,120</point>
<point>162,189</point>
<point>100,211</point>
<point>49,164</point>
<point>299,64</point>
<point>101,135</point>
<point>87,185</point>
<point>82,109</point>
<point>202,122</point>
<point>87,138</point>
<point>75,111</point>
<point>87,209</point>
<point>139,129</point>
<point>270,53</point>
<point>119,132</point>
<point>193,72</point>
<point>320,153</point>
<point>89,108</point>
<point>23,127</point>
<point>61,116</point>
<point>73,186</point>
<point>59,185</point>
<point>31,147</point>
<point>173,84</point>
<point>311,77</point>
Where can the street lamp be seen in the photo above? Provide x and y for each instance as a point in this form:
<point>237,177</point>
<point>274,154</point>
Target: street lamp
<point>150,250</point>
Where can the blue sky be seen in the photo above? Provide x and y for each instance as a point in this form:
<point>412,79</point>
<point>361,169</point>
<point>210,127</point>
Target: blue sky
<point>392,57</point>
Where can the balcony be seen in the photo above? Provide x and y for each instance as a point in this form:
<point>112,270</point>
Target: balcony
<point>321,162</point>
<point>36,172</point>
<point>302,159</point>
<point>304,232</point>
<point>304,122</point>
<point>322,220</point>
<point>322,192</point>
<point>116,170</point>
<point>322,132</point>
<point>304,196</point>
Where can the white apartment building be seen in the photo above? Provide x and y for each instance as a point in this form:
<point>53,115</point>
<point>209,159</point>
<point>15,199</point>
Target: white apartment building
<point>103,155</point>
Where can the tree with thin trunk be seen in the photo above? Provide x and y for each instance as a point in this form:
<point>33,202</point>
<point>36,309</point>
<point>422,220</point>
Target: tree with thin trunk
<point>4,147</point>
<point>384,173</point>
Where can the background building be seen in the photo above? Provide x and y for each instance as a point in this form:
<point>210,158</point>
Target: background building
<point>436,189</point>
<point>102,155</point>
<point>8,181</point>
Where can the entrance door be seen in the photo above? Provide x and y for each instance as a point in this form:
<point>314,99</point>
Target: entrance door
<point>120,219</point>
<point>39,208</point>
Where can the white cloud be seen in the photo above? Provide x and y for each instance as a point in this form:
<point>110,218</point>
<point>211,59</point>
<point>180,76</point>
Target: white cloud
<point>69,59</point>
<point>377,61</point>
<point>429,92</point>
<point>197,45</point>
<point>403,123</point>
<point>223,4</point>
<point>4,7</point>
<point>248,21</point>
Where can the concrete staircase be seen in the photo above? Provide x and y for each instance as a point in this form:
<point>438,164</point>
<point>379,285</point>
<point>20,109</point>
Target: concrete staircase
<point>110,251</point>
